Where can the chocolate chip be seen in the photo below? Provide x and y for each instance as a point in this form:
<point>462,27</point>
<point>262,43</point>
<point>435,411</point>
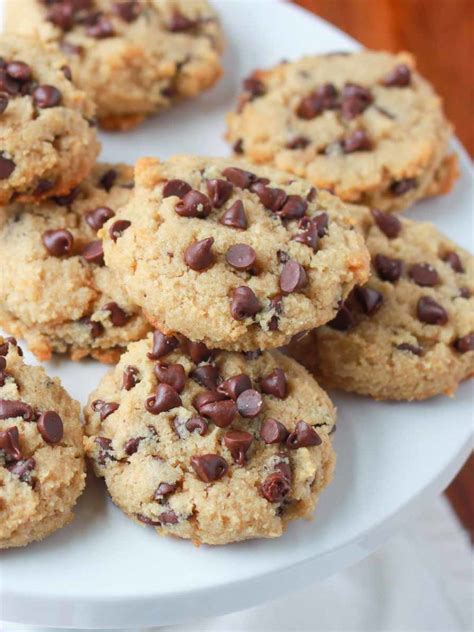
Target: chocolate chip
<point>273,431</point>
<point>94,252</point>
<point>293,277</point>
<point>168,517</point>
<point>10,443</point>
<point>424,274</point>
<point>130,377</point>
<point>162,345</point>
<point>400,187</point>
<point>388,223</point>
<point>7,342</point>
<point>96,328</point>
<point>406,346</point>
<point>105,450</point>
<point>70,49</point>
<point>355,99</point>
<point>104,408</point>
<point>131,446</point>
<point>198,352</point>
<point>67,200</point>
<point>255,87</point>
<point>238,146</point>
<point>239,177</point>
<point>46,96</point>
<point>272,199</point>
<point>23,469</point>
<point>197,424</point>
<point>431,312</point>
<point>252,355</point>
<point>241,257</point>
<point>107,180</point>
<point>67,72</point>
<point>207,397</point>
<point>118,316</point>
<point>14,408</point>
<point>3,103</point>
<point>117,229</point>
<point>454,260</point>
<point>194,204</point>
<point>178,188</point>
<point>206,375</point>
<point>357,141</point>
<point>282,256</point>
<point>238,443</point>
<point>465,344</point>
<point>128,11</point>
<point>303,436</point>
<point>219,192</point>
<point>309,237</point>
<point>343,321</point>
<point>3,366</point>
<point>387,268</point>
<point>276,487</point>
<point>298,142</point>
<point>148,521</point>
<point>369,299</point>
<point>235,216</point>
<point>275,384</point>
<point>400,76</point>
<point>235,385</point>
<point>464,292</point>
<point>244,303</point>
<point>97,218</point>
<point>50,426</point>
<point>172,374</point>
<point>222,413</point>
<point>249,403</point>
<point>324,98</point>
<point>199,256</point>
<point>294,208</point>
<point>163,490</point>
<point>7,84</point>
<point>209,467</point>
<point>18,70</point>
<point>7,167</point>
<point>179,22</point>
<point>101,29</point>
<point>61,15</point>
<point>164,399</point>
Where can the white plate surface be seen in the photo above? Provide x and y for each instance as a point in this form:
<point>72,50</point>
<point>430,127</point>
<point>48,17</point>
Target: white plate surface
<point>105,571</point>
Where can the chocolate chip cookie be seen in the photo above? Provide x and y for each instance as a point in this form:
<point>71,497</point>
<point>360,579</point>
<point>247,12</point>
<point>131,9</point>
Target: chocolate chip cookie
<point>217,446</point>
<point>41,451</point>
<point>132,57</point>
<point>47,140</point>
<point>54,288</point>
<point>234,258</point>
<point>364,125</point>
<point>409,333</point>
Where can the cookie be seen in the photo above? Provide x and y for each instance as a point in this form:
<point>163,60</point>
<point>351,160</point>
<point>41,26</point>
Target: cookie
<point>55,291</point>
<point>132,58</point>
<point>409,333</point>
<point>41,451</point>
<point>216,447</point>
<point>364,125</point>
<point>47,140</point>
<point>235,259</point>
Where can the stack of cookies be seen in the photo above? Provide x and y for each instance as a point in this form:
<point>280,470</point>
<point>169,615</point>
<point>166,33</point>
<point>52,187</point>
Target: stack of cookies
<point>189,274</point>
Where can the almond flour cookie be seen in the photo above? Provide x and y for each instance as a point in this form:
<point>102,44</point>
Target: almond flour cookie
<point>132,58</point>
<point>236,259</point>
<point>409,333</point>
<point>364,125</point>
<point>41,451</point>
<point>47,142</point>
<point>54,289</point>
<point>216,447</point>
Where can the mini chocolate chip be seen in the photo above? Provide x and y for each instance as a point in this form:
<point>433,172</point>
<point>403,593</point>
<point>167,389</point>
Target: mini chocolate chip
<point>238,146</point>
<point>117,229</point>
<point>465,344</point>
<point>179,22</point>
<point>50,426</point>
<point>206,375</point>
<point>431,312</point>
<point>235,385</point>
<point>424,274</point>
<point>276,487</point>
<point>235,216</point>
<point>198,352</point>
<point>295,207</point>
<point>107,179</point>
<point>199,256</point>
<point>162,345</point>
<point>222,413</point>
<point>355,99</point>
<point>10,443</point>
<point>454,260</point>
<point>238,443</point>
<point>101,28</point>
<point>298,142</point>
<point>400,187</point>
<point>209,467</point>
<point>219,192</point>
<point>97,218</point>
<point>164,399</point>
<point>19,70</point>
<point>130,377</point>
<point>239,177</point>
<point>118,316</point>
<point>241,257</point>
<point>275,384</point>
<point>357,141</point>
<point>178,188</point>
<point>387,268</point>
<point>303,436</point>
<point>3,103</point>
<point>406,346</point>
<point>96,328</point>
<point>163,490</point>
<point>244,303</point>
<point>172,374</point>
<point>369,299</point>
<point>7,167</point>
<point>272,199</point>
<point>94,252</point>
<point>324,98</point>
<point>14,408</point>
<point>46,96</point>
<point>23,469</point>
<point>388,223</point>
<point>273,431</point>
<point>67,72</point>
<point>343,321</point>
<point>282,256</point>
<point>128,11</point>
<point>464,292</point>
<point>194,204</point>
<point>131,446</point>
<point>400,76</point>
<point>249,403</point>
<point>68,199</point>
<point>197,424</point>
<point>293,277</point>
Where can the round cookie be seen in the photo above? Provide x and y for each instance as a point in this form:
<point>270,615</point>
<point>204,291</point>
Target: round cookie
<point>364,125</point>
<point>409,333</point>
<point>217,446</point>
<point>47,140</point>
<point>132,58</point>
<point>235,259</point>
<point>41,452</point>
<point>55,291</point>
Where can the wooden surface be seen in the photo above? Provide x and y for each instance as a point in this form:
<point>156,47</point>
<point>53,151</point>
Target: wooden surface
<point>440,34</point>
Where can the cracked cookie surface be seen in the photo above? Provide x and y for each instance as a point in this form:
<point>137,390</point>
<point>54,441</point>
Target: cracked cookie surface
<point>41,451</point>
<point>217,446</point>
